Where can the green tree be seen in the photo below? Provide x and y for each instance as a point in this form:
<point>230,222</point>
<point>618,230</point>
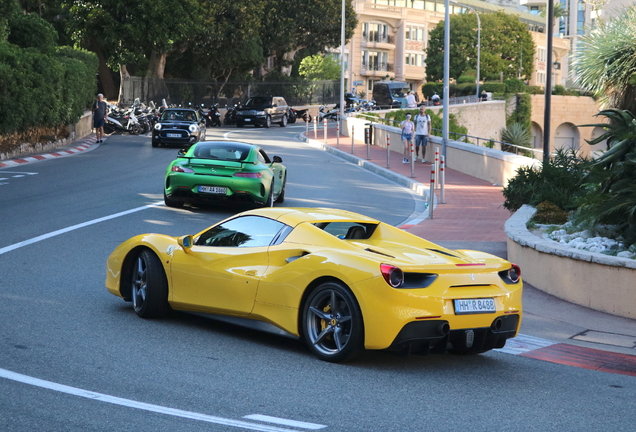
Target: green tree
<point>290,25</point>
<point>606,62</point>
<point>320,67</point>
<point>145,31</point>
<point>503,40</point>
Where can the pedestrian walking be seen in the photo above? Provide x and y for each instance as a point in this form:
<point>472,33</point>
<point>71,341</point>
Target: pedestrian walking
<point>422,132</point>
<point>411,102</point>
<point>100,113</point>
<point>407,137</point>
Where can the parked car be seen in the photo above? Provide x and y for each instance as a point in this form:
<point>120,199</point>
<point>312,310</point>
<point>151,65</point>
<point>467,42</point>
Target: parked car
<point>340,281</point>
<point>217,171</point>
<point>390,94</point>
<point>179,126</point>
<point>263,111</point>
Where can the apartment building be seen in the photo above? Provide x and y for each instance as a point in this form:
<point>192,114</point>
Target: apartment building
<point>392,35</point>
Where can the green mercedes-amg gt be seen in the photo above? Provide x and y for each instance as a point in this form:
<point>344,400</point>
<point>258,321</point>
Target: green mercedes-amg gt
<point>213,171</point>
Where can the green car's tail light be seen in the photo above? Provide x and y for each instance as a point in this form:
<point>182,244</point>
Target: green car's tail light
<point>392,275</point>
<point>179,168</point>
<point>248,174</point>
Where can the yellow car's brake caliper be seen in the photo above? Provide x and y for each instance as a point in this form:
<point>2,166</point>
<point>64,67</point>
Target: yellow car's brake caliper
<point>323,322</point>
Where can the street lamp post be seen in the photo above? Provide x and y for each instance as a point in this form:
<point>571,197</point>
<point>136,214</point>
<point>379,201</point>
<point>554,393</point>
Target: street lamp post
<point>478,40</point>
<point>342,64</point>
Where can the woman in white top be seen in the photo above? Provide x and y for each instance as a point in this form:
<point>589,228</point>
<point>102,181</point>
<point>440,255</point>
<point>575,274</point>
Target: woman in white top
<point>408,127</point>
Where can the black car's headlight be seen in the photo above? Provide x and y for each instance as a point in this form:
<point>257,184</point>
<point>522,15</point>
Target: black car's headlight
<point>260,113</point>
<point>193,128</point>
<point>158,126</point>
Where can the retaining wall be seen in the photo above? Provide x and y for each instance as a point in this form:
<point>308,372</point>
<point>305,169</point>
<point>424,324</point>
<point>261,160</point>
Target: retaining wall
<point>594,280</point>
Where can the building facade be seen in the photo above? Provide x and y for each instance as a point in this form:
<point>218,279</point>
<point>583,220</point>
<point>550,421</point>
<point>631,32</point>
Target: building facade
<point>392,36</point>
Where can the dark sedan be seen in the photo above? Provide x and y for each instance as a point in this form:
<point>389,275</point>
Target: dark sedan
<point>179,126</point>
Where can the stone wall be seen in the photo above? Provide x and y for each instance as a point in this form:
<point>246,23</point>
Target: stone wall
<point>79,130</point>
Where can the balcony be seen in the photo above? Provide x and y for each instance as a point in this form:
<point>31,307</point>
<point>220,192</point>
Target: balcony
<point>376,69</point>
<point>378,40</point>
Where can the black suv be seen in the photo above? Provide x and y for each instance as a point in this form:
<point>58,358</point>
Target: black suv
<point>263,111</point>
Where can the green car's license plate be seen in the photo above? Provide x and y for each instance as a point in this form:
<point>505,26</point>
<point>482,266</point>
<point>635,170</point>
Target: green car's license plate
<point>212,189</point>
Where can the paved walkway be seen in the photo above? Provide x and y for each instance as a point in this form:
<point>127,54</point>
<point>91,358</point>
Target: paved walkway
<point>473,218</point>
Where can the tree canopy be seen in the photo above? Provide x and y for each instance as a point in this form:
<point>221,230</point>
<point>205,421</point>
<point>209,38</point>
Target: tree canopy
<point>505,44</point>
<point>319,67</point>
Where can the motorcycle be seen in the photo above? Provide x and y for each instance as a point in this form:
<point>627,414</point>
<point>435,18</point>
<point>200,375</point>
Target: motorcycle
<point>291,115</point>
<point>302,114</point>
<point>122,121</point>
<point>435,99</point>
<point>325,113</point>
<point>230,115</point>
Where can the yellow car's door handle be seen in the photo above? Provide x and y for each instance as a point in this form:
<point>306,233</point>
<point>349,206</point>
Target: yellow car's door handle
<point>251,273</point>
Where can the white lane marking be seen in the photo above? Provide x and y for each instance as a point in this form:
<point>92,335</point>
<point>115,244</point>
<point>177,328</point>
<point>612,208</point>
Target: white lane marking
<point>74,227</point>
<point>19,172</point>
<point>286,422</point>
<point>100,397</point>
<point>524,343</point>
<point>227,134</point>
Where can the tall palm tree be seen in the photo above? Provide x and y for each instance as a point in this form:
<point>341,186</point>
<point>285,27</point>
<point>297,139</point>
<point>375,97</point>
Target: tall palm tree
<point>606,62</point>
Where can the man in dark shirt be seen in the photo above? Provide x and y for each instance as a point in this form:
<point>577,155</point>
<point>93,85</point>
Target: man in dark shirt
<point>100,112</point>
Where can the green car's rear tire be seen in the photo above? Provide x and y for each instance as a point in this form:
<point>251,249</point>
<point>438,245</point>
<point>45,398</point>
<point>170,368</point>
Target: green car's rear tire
<point>281,196</point>
<point>170,202</point>
<point>149,286</point>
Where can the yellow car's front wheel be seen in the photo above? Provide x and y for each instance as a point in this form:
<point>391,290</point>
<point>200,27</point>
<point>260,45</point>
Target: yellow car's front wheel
<point>332,323</point>
<point>149,286</point>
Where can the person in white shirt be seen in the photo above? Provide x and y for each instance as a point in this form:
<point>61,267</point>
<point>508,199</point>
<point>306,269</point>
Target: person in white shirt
<point>407,137</point>
<point>422,132</point>
<point>410,100</point>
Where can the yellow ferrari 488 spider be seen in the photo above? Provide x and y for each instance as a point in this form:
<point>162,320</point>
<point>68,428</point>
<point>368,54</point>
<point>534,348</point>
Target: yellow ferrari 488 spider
<point>341,281</point>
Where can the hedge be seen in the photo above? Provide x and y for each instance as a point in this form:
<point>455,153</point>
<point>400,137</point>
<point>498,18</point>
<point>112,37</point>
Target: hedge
<point>37,89</point>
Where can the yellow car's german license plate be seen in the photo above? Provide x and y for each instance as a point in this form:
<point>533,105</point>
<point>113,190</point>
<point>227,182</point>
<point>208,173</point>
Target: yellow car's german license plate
<point>474,306</point>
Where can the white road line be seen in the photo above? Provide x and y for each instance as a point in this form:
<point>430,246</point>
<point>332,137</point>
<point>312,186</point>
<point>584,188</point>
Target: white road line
<point>286,422</point>
<point>74,227</point>
<point>100,397</point>
<point>524,343</point>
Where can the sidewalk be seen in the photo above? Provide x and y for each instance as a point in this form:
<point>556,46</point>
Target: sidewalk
<point>472,217</point>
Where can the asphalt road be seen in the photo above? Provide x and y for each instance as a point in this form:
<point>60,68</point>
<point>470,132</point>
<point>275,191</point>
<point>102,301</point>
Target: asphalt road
<point>73,357</point>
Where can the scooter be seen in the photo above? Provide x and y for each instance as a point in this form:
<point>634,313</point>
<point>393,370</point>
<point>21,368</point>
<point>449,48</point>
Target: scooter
<point>325,113</point>
<point>302,114</point>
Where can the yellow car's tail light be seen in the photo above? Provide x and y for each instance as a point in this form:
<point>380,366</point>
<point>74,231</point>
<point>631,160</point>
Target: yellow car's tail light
<point>512,275</point>
<point>392,275</point>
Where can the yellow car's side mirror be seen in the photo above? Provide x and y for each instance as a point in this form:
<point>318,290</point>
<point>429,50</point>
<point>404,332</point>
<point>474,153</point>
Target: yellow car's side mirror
<point>185,242</point>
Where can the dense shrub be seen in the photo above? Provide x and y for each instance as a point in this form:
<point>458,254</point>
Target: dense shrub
<point>523,111</point>
<point>31,31</point>
<point>466,79</point>
<point>467,89</point>
<point>558,181</point>
<point>534,90</point>
<point>494,87</point>
<point>431,88</point>
<point>37,89</point>
<point>515,85</point>
<point>558,90</point>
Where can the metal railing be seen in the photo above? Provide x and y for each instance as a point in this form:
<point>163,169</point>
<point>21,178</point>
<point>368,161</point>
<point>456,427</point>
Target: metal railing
<point>378,38</point>
<point>380,67</point>
<point>455,136</point>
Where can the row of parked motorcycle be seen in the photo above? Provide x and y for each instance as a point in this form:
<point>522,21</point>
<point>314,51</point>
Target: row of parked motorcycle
<point>136,119</point>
